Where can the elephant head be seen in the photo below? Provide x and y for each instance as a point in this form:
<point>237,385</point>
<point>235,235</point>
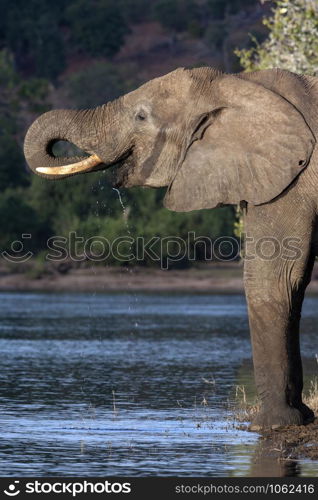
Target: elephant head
<point>210,138</point>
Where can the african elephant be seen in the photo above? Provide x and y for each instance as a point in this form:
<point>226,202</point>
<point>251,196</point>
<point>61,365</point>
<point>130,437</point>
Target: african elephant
<point>216,139</point>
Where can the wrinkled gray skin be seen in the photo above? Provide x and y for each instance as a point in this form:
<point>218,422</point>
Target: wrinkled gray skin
<point>216,139</point>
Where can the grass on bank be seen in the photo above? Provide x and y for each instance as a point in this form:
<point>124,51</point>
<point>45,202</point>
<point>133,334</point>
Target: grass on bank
<point>246,411</point>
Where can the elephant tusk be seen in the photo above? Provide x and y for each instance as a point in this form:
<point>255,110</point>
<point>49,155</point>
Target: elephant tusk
<point>73,168</point>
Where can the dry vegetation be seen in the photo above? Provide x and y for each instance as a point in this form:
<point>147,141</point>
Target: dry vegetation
<point>246,410</point>
<point>293,442</point>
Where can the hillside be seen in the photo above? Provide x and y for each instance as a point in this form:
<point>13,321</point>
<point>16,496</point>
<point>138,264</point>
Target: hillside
<point>151,50</point>
<point>82,54</point>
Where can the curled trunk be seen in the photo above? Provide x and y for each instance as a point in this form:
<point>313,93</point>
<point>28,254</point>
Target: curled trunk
<point>61,125</point>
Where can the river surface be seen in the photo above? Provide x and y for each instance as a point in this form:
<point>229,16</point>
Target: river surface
<point>131,384</point>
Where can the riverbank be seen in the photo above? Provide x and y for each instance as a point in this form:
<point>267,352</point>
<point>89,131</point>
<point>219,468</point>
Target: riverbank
<point>90,278</point>
<point>203,278</point>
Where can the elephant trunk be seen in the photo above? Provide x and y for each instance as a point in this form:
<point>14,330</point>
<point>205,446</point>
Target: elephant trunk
<point>65,125</point>
<point>77,127</point>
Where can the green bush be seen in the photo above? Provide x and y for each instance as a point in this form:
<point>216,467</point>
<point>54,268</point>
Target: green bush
<point>33,34</point>
<point>18,218</point>
<point>12,170</point>
<point>292,41</point>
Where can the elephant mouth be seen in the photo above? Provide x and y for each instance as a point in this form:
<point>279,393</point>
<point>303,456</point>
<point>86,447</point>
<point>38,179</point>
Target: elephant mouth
<point>92,163</point>
<point>123,171</point>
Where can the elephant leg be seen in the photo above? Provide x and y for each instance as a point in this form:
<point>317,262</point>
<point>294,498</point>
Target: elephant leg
<point>273,358</point>
<point>275,282</point>
<point>295,378</point>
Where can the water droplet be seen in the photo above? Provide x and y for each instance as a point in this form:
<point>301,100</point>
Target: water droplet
<point>125,212</point>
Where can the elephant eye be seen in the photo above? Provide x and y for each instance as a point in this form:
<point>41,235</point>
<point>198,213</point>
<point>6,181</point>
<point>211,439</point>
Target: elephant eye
<point>141,116</point>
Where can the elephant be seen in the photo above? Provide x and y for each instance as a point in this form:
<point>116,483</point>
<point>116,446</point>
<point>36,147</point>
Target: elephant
<point>215,139</point>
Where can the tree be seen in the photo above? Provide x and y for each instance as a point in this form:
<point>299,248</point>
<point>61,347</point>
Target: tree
<point>98,83</point>
<point>31,31</point>
<point>17,96</point>
<point>292,42</point>
<point>18,217</point>
<point>98,27</point>
<point>12,171</point>
<point>135,11</point>
<point>176,14</point>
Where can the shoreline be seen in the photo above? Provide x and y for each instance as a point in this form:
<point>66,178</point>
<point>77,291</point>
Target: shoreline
<point>222,278</point>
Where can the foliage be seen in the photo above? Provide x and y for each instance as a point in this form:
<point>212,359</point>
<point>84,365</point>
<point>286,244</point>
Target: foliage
<point>11,160</point>
<point>193,228</point>
<point>292,42</point>
<point>97,27</point>
<point>61,203</point>
<point>135,11</point>
<point>217,8</point>
<point>98,83</point>
<point>17,96</point>
<point>88,206</point>
<point>193,15</point>
<point>32,33</point>
<point>176,14</point>
<point>39,32</point>
<point>220,9</point>
<point>19,219</point>
<point>44,35</point>
<point>216,34</point>
<point>42,38</point>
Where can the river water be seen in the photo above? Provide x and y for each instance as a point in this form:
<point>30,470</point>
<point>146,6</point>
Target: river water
<point>131,384</point>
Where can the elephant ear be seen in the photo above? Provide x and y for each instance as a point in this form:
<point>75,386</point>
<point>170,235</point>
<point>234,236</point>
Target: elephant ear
<point>253,147</point>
